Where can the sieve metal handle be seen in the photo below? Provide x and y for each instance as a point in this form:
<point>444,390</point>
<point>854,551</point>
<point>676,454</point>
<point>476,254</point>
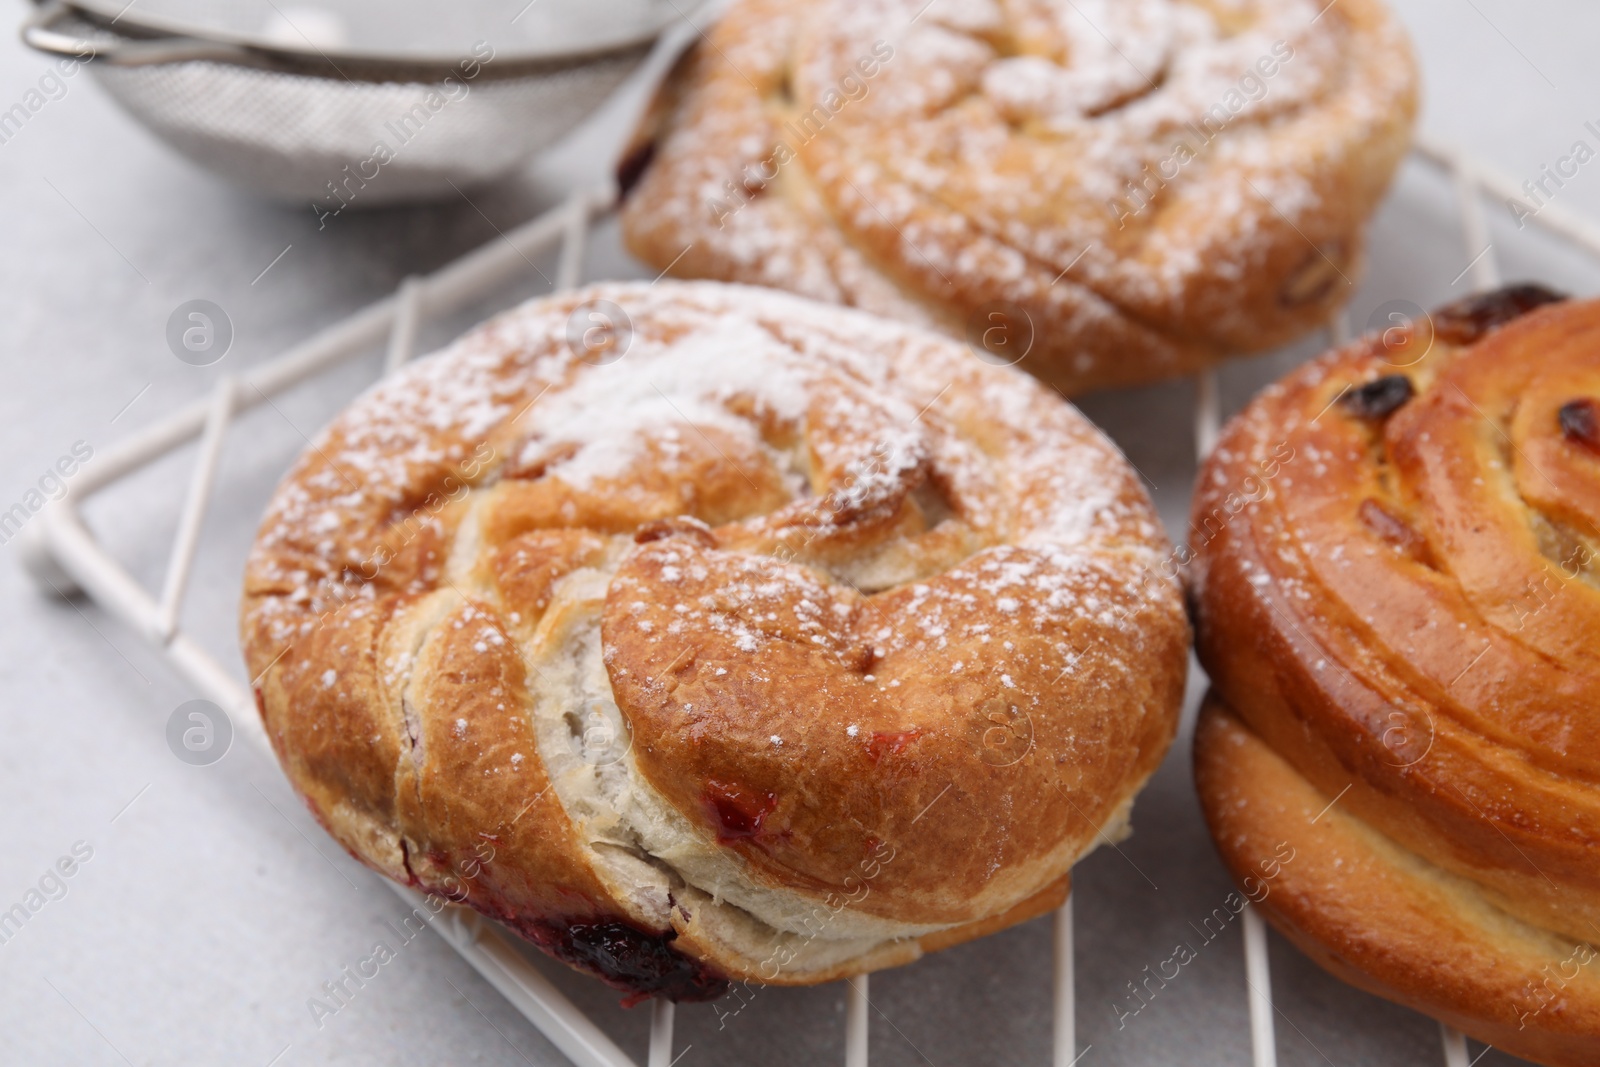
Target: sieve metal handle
<point>40,32</point>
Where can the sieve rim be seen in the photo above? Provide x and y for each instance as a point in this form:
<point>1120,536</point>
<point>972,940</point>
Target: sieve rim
<point>123,22</point>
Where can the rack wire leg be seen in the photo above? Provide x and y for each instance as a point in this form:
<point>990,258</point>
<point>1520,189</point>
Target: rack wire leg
<point>1066,1022</point>
<point>1258,975</point>
<point>662,1012</point>
<point>855,1023</point>
<point>187,540</point>
<point>34,553</point>
<point>1339,328</point>
<point>1455,1046</point>
<point>575,236</point>
<point>1475,227</point>
<point>1207,413</point>
<point>403,334</point>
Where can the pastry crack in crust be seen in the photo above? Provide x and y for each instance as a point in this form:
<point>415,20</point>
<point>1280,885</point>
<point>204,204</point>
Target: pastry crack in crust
<point>1403,636</point>
<point>791,645</point>
<point>1143,186</point>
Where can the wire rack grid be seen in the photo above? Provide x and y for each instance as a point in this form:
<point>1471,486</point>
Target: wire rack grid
<point>62,553</point>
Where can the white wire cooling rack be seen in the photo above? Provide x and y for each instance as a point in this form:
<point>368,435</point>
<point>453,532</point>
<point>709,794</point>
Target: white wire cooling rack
<point>60,550</point>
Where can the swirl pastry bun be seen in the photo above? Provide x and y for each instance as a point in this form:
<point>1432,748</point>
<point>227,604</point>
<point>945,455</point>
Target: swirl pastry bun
<point>703,633</point>
<point>1117,191</point>
<point>1397,598</point>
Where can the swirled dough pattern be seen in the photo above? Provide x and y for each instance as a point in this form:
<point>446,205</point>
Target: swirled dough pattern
<point>1397,597</point>
<point>745,638</point>
<point>1112,191</point>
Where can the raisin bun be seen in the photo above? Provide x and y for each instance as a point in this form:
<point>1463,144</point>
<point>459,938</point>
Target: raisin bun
<point>701,633</point>
<point>1397,596</point>
<point>1111,191</point>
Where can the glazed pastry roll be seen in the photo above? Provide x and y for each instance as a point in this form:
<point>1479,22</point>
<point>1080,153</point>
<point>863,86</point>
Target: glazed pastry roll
<point>1397,597</point>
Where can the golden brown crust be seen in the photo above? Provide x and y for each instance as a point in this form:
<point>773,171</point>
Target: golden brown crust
<point>1381,918</point>
<point>1396,590</point>
<point>1134,191</point>
<point>794,644</point>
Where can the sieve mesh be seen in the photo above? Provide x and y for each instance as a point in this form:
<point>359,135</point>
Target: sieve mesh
<point>298,136</point>
<point>359,132</point>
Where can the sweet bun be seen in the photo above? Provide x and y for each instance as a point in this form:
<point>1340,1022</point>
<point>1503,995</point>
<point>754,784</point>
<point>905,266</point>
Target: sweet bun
<point>1114,192</point>
<point>705,633</point>
<point>1397,597</point>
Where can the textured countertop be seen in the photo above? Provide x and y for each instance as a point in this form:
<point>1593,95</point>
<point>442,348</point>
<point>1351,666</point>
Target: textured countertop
<point>211,908</point>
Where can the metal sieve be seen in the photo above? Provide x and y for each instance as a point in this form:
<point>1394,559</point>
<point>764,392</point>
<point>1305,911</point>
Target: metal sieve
<point>356,102</point>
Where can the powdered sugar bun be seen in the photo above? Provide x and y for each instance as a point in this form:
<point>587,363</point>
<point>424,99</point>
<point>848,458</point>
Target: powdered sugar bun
<point>1130,189</point>
<point>788,644</point>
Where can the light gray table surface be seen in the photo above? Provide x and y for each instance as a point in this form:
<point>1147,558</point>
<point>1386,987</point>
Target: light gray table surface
<point>213,907</point>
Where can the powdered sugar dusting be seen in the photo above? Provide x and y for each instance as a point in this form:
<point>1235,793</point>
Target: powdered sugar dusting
<point>864,417</point>
<point>1142,176</point>
<point>666,388</point>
